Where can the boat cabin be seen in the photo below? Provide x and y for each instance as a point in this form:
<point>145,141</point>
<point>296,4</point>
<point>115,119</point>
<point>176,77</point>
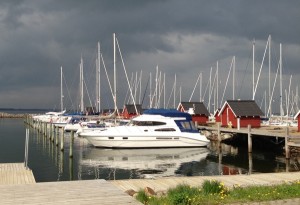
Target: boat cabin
<point>197,110</point>
<point>131,111</point>
<point>182,120</point>
<point>240,113</point>
<point>297,117</point>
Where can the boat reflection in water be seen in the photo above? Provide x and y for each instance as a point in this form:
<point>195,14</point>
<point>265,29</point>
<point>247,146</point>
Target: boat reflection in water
<point>146,163</point>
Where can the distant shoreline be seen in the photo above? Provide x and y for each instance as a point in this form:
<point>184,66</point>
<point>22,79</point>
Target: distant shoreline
<point>12,115</point>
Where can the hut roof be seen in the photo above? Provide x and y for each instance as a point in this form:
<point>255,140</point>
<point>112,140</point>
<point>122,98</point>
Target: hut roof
<point>242,108</point>
<point>198,107</point>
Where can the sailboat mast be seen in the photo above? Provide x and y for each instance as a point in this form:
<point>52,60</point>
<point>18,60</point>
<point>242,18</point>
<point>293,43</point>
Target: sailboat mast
<point>81,86</point>
<point>174,91</point>
<point>61,90</point>
<point>280,76</point>
<point>270,75</point>
<point>233,79</point>
<point>98,76</point>
<point>253,68</point>
<point>115,75</point>
<point>217,87</point>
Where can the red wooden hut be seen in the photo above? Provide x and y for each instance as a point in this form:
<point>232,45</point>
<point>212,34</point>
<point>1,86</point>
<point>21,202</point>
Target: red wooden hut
<point>297,117</point>
<point>197,109</point>
<point>240,113</point>
<point>131,111</point>
<point>217,116</point>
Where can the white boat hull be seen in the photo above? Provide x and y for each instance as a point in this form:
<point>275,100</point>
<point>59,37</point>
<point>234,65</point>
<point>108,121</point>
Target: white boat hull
<point>121,139</point>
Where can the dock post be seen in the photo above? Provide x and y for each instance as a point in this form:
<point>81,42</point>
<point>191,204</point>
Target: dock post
<point>287,147</point>
<point>45,129</point>
<point>53,132</point>
<point>57,133</point>
<point>219,134</point>
<point>250,163</point>
<point>50,131</point>
<point>249,139</point>
<point>71,144</point>
<point>62,139</point>
<point>287,165</point>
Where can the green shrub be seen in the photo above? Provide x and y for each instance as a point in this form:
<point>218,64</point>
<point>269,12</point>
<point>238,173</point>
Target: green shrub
<point>182,194</point>
<point>213,187</point>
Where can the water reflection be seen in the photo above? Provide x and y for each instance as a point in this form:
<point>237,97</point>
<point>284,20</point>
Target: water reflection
<point>145,163</point>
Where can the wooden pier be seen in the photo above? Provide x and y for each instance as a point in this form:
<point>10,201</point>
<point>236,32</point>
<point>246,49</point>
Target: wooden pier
<point>15,173</point>
<point>163,184</point>
<point>65,192</point>
<point>289,134</point>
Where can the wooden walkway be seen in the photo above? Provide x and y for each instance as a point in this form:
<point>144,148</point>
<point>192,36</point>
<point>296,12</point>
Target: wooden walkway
<point>15,173</point>
<point>70,192</point>
<point>163,184</point>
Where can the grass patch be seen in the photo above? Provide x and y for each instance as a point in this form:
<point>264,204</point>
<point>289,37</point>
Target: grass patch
<point>214,192</point>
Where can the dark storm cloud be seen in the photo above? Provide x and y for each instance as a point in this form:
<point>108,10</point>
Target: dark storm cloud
<point>37,37</point>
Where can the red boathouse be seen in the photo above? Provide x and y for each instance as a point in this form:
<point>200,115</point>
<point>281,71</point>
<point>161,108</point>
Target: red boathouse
<point>297,116</point>
<point>240,113</point>
<point>131,111</point>
<point>197,109</point>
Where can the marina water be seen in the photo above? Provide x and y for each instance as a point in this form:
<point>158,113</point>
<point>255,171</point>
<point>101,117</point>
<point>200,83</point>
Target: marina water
<point>48,163</point>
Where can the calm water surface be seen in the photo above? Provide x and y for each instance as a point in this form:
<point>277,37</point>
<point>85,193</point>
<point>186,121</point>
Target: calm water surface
<point>48,163</point>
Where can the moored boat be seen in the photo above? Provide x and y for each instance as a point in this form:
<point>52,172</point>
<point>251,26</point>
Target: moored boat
<point>155,128</point>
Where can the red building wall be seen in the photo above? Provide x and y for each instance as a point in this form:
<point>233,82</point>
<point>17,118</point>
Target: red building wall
<point>228,116</point>
<point>201,119</point>
<point>253,121</point>
<point>217,117</point>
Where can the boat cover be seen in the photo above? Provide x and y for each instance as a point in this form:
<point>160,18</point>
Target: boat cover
<point>168,113</point>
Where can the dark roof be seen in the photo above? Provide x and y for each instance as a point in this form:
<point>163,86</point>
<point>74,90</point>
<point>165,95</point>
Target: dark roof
<point>199,107</point>
<point>131,109</point>
<point>244,108</point>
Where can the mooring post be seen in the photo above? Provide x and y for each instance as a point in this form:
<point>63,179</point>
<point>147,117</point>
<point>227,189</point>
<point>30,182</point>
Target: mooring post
<point>287,165</point>
<point>45,129</point>
<point>50,131</point>
<point>62,139</point>
<point>71,144</point>
<point>57,133</point>
<point>53,132</point>
<point>249,139</point>
<point>219,132</point>
<point>287,147</point>
<point>250,162</point>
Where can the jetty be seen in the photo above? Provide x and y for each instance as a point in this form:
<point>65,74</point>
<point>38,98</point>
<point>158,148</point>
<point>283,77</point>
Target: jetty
<point>230,181</point>
<point>112,192</point>
<point>15,173</point>
<point>290,135</point>
<point>17,186</point>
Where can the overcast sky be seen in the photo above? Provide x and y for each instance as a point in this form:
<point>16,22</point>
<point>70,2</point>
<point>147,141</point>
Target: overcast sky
<point>182,38</point>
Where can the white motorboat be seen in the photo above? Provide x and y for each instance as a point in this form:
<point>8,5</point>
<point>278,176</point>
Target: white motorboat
<point>89,126</point>
<point>48,117</point>
<point>155,128</point>
<point>148,163</point>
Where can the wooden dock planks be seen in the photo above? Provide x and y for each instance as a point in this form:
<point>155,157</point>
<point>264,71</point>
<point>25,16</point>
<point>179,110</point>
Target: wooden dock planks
<point>15,173</point>
<point>163,184</point>
<point>65,192</point>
